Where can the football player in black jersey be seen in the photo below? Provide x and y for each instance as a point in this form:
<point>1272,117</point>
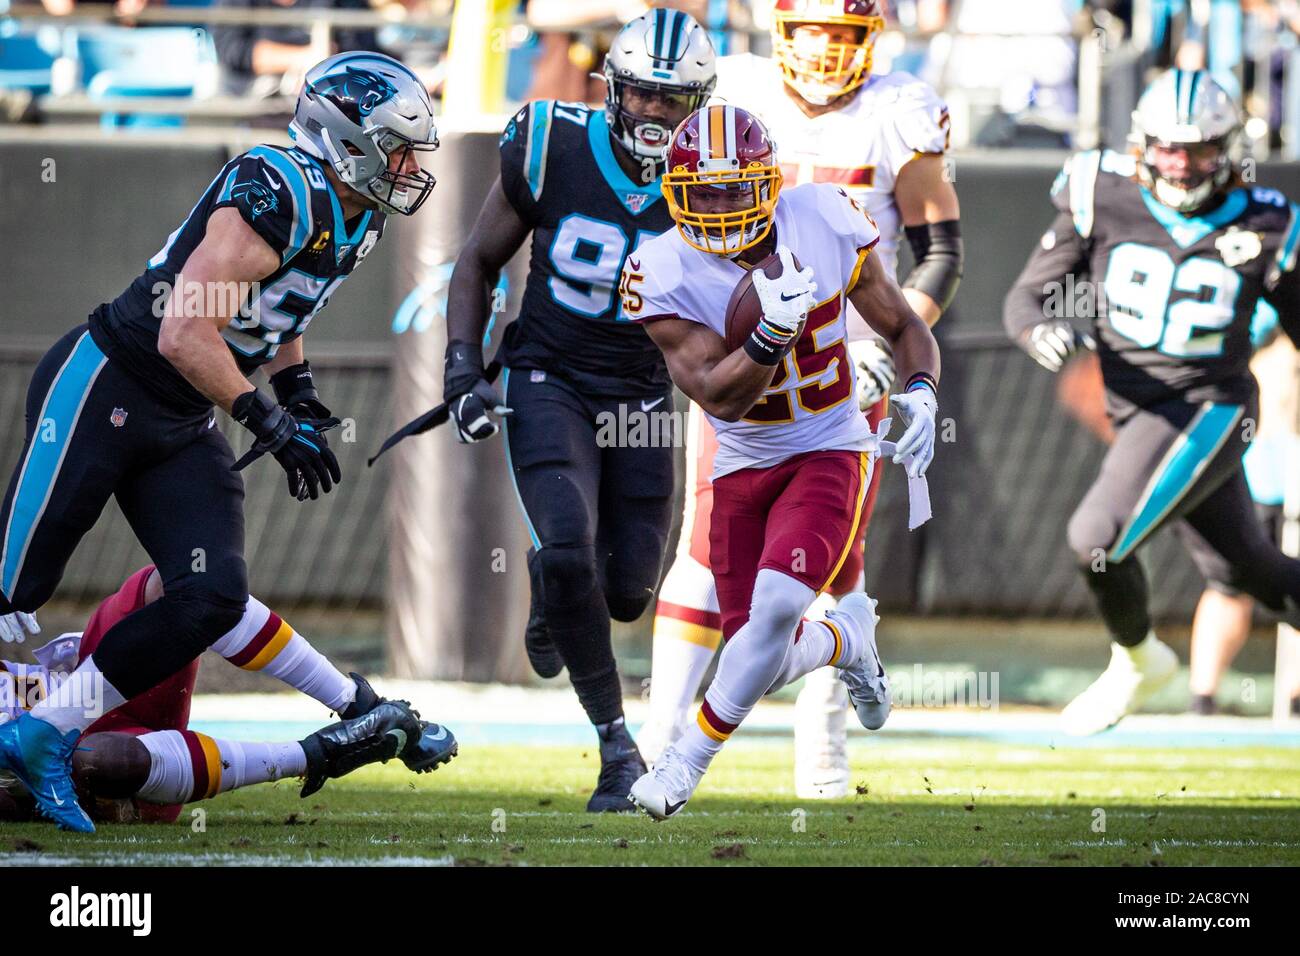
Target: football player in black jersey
<point>585,184</point>
<point>123,406</point>
<point>1181,250</point>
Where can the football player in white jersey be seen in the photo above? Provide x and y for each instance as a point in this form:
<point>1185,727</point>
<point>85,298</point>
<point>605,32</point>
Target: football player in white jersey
<point>882,138</point>
<point>795,455</point>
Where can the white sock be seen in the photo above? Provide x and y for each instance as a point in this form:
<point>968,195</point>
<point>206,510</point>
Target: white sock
<point>687,632</point>
<point>750,664</point>
<point>818,646</point>
<point>1140,654</point>
<point>186,766</point>
<point>263,641</point>
<point>80,699</point>
<point>835,641</point>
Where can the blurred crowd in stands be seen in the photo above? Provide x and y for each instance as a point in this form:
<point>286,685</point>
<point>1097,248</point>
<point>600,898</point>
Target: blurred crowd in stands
<point>1011,69</point>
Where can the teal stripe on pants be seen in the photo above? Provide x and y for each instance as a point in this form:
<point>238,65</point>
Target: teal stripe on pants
<point>1183,464</point>
<point>510,465</point>
<point>49,446</point>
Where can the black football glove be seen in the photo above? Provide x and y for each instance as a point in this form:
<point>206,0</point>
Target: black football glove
<point>295,391</point>
<point>1051,344</point>
<point>298,444</point>
<point>470,397</point>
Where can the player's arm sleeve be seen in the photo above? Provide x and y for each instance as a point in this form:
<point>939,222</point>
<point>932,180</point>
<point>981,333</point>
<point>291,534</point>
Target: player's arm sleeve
<point>1282,281</point>
<point>1060,252</point>
<point>524,148</point>
<point>272,194</point>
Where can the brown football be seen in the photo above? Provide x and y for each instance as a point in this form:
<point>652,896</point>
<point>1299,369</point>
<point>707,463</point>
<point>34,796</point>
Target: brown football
<point>743,308</point>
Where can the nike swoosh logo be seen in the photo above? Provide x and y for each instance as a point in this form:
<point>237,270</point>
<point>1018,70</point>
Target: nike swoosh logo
<point>400,736</point>
<point>788,298</point>
<point>636,266</point>
<point>271,179</point>
<point>55,797</point>
<point>671,808</point>
<point>646,406</point>
<point>212,421</point>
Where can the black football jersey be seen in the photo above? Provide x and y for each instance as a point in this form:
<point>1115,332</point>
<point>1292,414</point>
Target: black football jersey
<point>559,171</point>
<point>1172,296</point>
<point>284,196</point>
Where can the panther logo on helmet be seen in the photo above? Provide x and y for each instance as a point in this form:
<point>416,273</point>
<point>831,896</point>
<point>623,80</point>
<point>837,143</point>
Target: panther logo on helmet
<point>256,196</point>
<point>355,92</point>
<point>367,116</point>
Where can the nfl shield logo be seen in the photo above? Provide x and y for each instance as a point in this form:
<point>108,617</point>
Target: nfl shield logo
<point>635,201</point>
<point>118,418</point>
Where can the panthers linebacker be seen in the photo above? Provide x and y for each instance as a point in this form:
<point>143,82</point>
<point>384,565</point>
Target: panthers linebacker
<point>882,138</point>
<point>123,406</point>
<point>1183,250</point>
<point>585,184</point>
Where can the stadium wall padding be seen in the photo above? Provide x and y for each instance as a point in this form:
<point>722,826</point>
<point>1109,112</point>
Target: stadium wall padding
<point>1003,487</point>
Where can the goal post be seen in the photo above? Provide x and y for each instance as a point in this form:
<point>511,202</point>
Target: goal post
<point>476,58</point>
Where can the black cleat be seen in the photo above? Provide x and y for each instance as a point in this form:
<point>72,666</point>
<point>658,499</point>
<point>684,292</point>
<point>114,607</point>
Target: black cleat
<point>389,730</point>
<point>542,653</point>
<point>437,745</point>
<point>365,701</point>
<point>620,767</point>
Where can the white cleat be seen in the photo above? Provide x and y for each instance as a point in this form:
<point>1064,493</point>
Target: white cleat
<point>656,736</point>
<point>1133,677</point>
<point>821,757</point>
<point>866,681</point>
<point>665,789</point>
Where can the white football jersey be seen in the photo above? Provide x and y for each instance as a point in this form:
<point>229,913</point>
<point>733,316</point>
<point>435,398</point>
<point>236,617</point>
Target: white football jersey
<point>810,405</point>
<point>22,685</point>
<point>861,146</point>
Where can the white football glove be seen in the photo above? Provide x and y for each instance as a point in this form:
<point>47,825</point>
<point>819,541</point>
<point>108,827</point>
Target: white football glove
<point>875,371</point>
<point>15,627</point>
<point>915,449</point>
<point>1050,344</point>
<point>787,299</point>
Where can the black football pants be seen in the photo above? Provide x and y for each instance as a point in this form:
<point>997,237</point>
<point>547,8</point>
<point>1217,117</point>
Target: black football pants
<point>597,498</point>
<point>1176,461</point>
<point>94,432</point>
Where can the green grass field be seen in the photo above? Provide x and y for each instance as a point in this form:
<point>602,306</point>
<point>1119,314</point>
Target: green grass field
<point>920,802</point>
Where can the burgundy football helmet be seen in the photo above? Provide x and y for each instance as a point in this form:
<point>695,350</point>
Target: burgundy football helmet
<point>723,180</point>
